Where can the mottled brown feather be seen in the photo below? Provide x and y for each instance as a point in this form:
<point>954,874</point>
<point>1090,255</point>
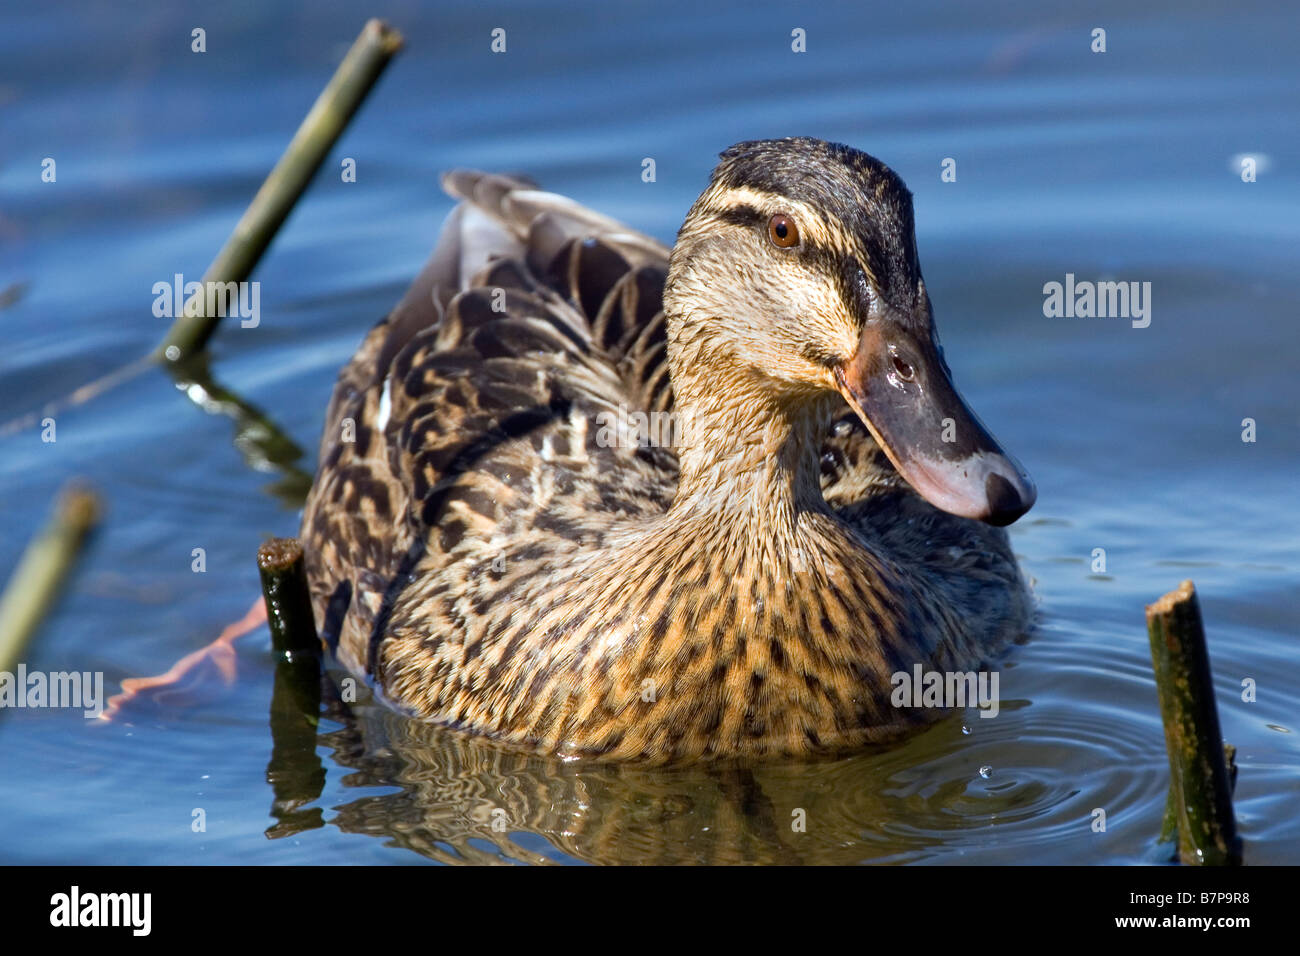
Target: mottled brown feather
<point>491,563</point>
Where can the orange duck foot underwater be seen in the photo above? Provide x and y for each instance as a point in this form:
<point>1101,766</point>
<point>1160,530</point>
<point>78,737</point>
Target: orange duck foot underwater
<point>582,493</point>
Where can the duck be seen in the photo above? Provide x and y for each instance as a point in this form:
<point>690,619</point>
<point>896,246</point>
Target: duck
<point>590,496</point>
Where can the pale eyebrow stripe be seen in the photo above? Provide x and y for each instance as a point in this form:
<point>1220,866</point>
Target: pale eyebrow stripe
<point>814,227</point>
<point>742,206</point>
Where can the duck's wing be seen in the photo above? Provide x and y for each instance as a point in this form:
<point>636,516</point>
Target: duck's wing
<point>498,411</point>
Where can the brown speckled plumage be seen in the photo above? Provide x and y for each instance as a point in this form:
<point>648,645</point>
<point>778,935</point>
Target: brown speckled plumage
<point>480,547</point>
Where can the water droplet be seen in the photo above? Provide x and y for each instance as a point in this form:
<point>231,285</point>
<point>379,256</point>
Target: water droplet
<point>985,772</point>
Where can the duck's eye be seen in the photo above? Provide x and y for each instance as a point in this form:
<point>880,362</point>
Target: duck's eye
<point>782,231</point>
<point>904,370</point>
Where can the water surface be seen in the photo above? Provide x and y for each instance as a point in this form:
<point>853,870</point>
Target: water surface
<point>1108,166</point>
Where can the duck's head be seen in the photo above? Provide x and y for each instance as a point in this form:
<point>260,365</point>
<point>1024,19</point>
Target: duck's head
<point>797,267</point>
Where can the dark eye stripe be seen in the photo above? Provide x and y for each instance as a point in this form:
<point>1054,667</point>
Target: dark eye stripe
<point>746,215</point>
<point>848,273</point>
<point>742,215</point>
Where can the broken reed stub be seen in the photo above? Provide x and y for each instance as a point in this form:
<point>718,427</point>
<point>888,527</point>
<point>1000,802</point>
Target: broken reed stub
<point>288,601</point>
<point>38,581</point>
<point>1200,781</point>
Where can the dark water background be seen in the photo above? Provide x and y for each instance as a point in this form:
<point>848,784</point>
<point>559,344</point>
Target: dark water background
<point>1109,166</point>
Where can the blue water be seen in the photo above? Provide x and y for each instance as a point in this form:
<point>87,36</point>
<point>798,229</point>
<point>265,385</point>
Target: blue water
<point>1117,165</point>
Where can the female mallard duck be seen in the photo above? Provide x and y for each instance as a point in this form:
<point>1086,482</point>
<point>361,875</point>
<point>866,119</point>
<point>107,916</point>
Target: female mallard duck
<point>496,539</point>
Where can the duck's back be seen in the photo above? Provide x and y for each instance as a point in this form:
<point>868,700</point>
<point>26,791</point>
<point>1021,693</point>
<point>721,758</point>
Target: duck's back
<point>494,413</point>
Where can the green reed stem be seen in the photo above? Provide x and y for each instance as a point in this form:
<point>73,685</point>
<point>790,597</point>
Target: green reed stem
<point>316,136</point>
<point>35,584</point>
<point>1201,783</point>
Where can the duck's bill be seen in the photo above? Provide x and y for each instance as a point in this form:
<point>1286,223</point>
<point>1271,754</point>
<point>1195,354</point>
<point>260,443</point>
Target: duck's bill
<point>902,390</point>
